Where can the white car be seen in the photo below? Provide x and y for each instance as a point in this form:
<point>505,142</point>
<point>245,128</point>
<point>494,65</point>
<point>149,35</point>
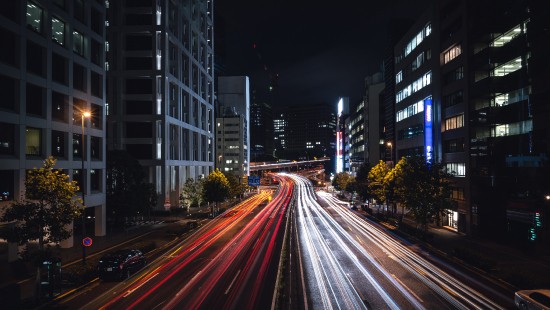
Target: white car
<point>532,299</point>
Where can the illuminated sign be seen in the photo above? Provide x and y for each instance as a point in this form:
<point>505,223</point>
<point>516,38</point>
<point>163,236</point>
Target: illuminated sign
<point>428,143</point>
<point>340,107</point>
<point>339,164</point>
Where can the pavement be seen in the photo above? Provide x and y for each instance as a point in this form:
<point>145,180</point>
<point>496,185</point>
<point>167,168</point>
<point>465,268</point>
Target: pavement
<point>514,268</point>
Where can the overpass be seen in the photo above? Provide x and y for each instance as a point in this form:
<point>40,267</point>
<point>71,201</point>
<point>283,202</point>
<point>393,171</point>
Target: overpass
<point>282,165</point>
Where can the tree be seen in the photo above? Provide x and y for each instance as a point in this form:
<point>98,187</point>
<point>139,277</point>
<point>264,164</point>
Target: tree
<point>341,181</point>
<point>425,190</point>
<point>49,207</point>
<point>127,192</point>
<point>191,193</point>
<point>215,187</point>
<point>362,182</point>
<point>393,184</point>
<point>236,187</point>
<point>376,183</point>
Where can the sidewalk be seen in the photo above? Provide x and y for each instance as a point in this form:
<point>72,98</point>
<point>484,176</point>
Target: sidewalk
<point>17,279</point>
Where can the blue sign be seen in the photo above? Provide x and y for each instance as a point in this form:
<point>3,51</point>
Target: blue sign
<point>428,143</point>
<point>253,180</point>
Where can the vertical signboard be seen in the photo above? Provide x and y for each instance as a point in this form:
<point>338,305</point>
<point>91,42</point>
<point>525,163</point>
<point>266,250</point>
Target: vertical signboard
<point>339,157</point>
<point>428,124</point>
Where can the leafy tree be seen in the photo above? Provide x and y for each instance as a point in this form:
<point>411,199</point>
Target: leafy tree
<point>236,187</point>
<point>425,190</point>
<point>49,206</point>
<point>215,187</point>
<point>393,184</point>
<point>191,193</point>
<point>128,194</point>
<point>376,184</point>
<point>361,181</point>
<point>341,181</point>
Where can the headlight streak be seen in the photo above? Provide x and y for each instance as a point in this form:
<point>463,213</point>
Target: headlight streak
<point>310,207</point>
<point>178,262</point>
<point>438,280</point>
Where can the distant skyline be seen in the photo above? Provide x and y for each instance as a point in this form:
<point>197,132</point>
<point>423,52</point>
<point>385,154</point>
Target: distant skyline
<point>320,51</point>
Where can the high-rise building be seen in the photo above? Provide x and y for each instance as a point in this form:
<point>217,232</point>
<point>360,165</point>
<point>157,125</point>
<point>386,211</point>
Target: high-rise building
<point>261,130</point>
<point>233,125</point>
<point>52,73</point>
<point>161,89</point>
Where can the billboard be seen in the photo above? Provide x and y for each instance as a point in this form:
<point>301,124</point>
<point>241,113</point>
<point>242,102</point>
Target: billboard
<point>339,152</point>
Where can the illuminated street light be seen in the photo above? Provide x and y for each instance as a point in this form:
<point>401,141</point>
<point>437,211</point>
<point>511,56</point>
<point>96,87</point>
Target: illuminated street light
<point>85,114</point>
<point>391,150</point>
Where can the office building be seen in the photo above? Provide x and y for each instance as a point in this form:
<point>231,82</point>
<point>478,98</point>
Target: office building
<point>52,71</point>
<point>161,89</point>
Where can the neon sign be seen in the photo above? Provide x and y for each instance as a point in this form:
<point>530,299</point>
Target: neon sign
<point>428,143</point>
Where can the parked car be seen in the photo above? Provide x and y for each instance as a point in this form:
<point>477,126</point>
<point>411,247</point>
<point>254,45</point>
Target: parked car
<point>120,264</point>
<point>533,299</point>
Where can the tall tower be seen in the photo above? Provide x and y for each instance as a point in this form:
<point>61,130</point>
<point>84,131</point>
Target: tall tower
<point>161,92</point>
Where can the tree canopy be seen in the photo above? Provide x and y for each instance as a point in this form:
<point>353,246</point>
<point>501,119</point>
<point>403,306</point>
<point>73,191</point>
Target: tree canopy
<point>49,206</point>
<point>191,193</point>
<point>216,187</point>
<point>376,183</point>
<point>341,181</point>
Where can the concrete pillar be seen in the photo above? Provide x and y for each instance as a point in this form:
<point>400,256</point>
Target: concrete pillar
<point>69,242</point>
<point>100,220</point>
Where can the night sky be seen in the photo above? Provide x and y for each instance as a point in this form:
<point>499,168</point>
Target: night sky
<point>320,50</point>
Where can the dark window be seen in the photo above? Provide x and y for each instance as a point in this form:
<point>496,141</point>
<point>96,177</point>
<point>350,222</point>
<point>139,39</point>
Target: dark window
<point>95,147</point>
<point>453,99</point>
<point>97,53</point>
<point>7,184</point>
<point>138,19</point>
<point>58,31</point>
<point>9,56</point>
<point>79,11</point>
<point>139,63</point>
<point>96,82</point>
<point>77,176</point>
<point>97,22</point>
<point>78,43</point>
<point>35,100</point>
<point>138,3</point>
<point>97,116</point>
<point>9,88</point>
<point>139,86</point>
<point>79,78</point>
<point>60,69</point>
<point>139,107</point>
<point>60,3</point>
<point>77,145</point>
<point>139,42</point>
<point>58,144</point>
<point>7,139</point>
<point>139,130</point>
<point>452,146</point>
<point>410,132</point>
<point>35,59</point>
<point>95,180</point>
<point>60,104</point>
<point>140,151</point>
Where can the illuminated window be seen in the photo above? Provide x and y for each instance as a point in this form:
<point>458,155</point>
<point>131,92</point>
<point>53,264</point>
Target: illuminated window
<point>507,68</point>
<point>454,122</point>
<point>58,31</point>
<point>34,17</point>
<point>508,36</point>
<point>399,77</point>
<point>452,53</point>
<point>33,137</point>
<point>456,169</point>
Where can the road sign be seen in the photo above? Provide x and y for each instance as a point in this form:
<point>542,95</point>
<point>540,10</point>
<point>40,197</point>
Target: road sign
<point>254,180</point>
<point>87,241</point>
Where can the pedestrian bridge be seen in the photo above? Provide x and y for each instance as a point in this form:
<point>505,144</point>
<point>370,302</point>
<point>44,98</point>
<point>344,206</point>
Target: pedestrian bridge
<point>287,165</point>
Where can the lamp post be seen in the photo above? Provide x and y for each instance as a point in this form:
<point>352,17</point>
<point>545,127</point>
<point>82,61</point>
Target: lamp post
<point>83,177</point>
<point>391,150</point>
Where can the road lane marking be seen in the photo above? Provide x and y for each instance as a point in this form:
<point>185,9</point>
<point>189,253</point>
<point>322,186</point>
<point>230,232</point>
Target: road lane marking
<point>134,289</point>
<point>407,288</point>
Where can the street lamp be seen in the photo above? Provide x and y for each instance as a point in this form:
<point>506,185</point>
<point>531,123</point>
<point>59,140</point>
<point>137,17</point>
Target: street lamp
<point>391,150</point>
<point>85,114</point>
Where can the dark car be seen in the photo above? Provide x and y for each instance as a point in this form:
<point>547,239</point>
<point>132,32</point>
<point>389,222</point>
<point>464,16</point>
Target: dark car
<point>121,264</point>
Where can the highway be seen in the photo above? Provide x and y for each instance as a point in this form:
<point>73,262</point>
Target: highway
<point>231,262</point>
<point>349,262</point>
